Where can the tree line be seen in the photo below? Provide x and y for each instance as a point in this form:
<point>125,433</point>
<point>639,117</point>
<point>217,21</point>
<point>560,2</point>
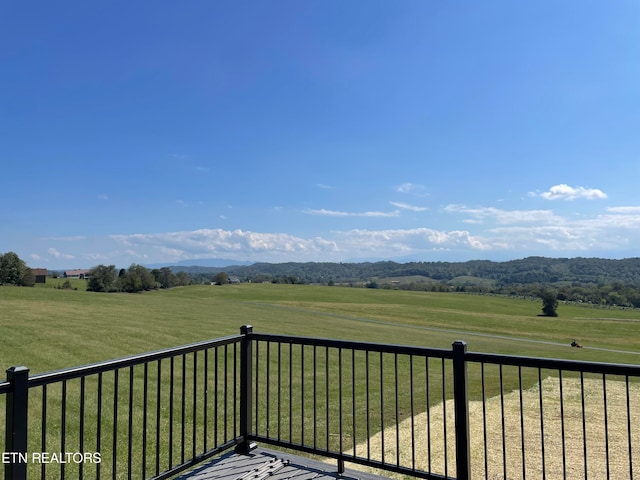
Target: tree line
<point>582,280</point>
<point>14,271</point>
<point>615,294</point>
<point>539,270</point>
<point>137,278</point>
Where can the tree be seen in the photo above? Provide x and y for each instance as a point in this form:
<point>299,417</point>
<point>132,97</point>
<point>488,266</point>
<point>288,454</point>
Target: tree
<point>28,278</point>
<point>164,277</point>
<point>136,279</point>
<point>102,278</point>
<point>12,269</point>
<point>549,303</point>
<point>183,279</point>
<point>221,278</point>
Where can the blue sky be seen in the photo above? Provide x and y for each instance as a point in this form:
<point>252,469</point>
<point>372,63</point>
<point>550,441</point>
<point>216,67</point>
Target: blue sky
<point>154,132</point>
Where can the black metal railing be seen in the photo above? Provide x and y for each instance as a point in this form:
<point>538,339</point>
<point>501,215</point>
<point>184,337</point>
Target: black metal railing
<point>146,416</point>
<point>575,419</point>
<point>331,397</point>
<point>435,413</point>
<point>423,412</point>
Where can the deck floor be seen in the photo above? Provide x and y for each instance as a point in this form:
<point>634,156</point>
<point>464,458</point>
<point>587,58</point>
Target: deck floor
<point>262,463</point>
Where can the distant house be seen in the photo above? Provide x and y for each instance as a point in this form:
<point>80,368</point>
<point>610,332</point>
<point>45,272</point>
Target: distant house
<point>233,279</point>
<point>84,274</point>
<point>40,274</point>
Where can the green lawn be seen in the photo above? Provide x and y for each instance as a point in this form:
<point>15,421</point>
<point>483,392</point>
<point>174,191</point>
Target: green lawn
<point>47,328</point>
<point>58,283</point>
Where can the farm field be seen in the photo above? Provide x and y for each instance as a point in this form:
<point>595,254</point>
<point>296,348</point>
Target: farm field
<point>58,283</point>
<point>48,329</point>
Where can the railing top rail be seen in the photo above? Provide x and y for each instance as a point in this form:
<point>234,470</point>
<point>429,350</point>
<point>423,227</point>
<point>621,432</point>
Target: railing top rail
<point>555,364</point>
<point>512,360</point>
<point>105,366</point>
<point>498,359</point>
<point>355,345</point>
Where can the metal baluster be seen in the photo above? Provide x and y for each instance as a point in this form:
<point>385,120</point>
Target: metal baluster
<point>130,424</point>
<point>158,411</point>
<point>524,469</point>
<point>584,423</point>
<point>562,430</point>
<point>145,398</point>
<point>544,470</point>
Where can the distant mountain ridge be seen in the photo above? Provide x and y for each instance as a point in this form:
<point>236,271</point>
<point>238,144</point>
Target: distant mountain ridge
<point>202,262</point>
<point>529,270</point>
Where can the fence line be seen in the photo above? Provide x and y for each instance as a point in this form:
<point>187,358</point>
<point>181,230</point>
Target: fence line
<point>145,416</point>
<point>424,412</point>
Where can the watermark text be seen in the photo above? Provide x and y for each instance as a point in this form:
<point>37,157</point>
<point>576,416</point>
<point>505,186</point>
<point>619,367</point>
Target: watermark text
<point>50,457</point>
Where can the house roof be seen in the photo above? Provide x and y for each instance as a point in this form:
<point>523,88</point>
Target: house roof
<point>70,273</point>
<point>39,271</point>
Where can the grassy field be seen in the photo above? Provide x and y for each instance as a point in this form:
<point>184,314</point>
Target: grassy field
<point>47,328</point>
<point>58,283</point>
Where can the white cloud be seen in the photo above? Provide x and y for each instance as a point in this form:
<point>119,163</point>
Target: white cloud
<point>620,229</point>
<point>491,231</point>
<point>544,231</point>
<point>626,210</point>
<point>549,237</point>
<point>410,188</point>
<point>98,257</point>
<point>71,238</point>
<point>480,214</point>
<point>323,186</point>
<point>55,253</point>
<point>280,247</point>
<point>189,204</point>
<point>398,242</point>
<point>209,243</point>
<point>565,192</point>
<point>406,206</point>
<point>628,220</point>
<point>337,213</point>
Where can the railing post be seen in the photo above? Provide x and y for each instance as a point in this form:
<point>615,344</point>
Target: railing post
<point>246,393</point>
<point>461,408</point>
<point>15,454</point>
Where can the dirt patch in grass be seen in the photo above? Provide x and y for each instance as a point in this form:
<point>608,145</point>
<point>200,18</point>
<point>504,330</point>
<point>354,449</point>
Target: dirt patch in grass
<point>512,455</point>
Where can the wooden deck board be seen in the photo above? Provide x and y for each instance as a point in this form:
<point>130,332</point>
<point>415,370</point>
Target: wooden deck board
<point>233,466</point>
